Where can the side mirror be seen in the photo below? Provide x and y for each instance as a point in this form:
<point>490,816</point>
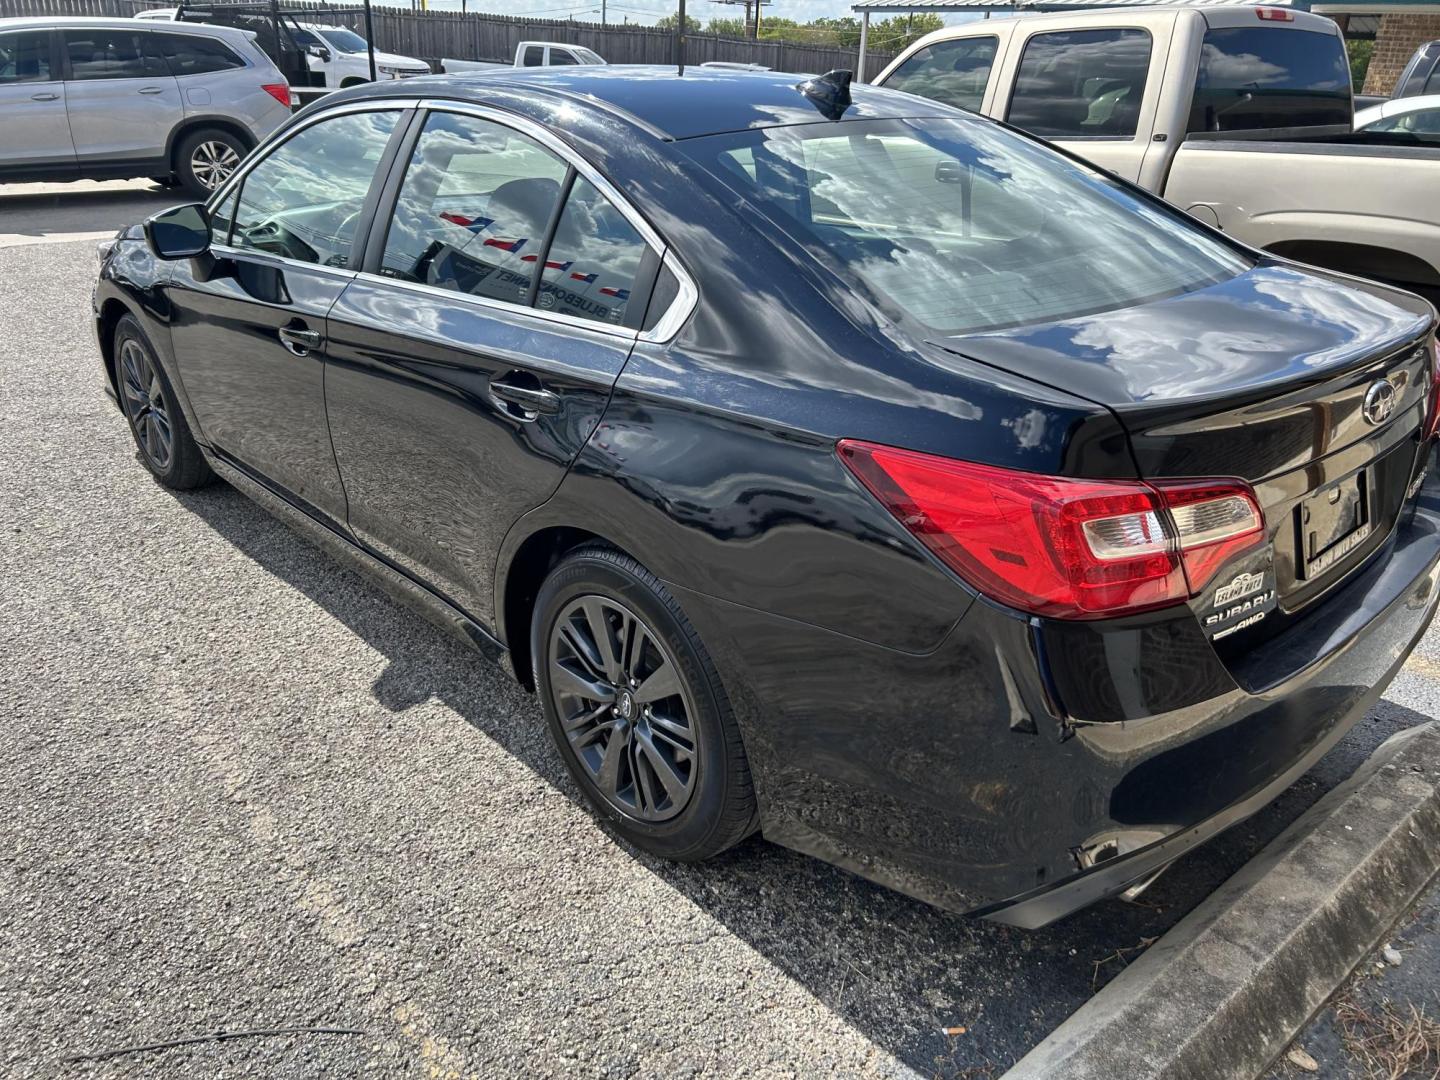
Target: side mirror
<point>320,52</point>
<point>182,232</point>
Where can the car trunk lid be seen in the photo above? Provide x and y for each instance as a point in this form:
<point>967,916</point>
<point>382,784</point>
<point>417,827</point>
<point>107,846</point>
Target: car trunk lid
<point>1311,389</point>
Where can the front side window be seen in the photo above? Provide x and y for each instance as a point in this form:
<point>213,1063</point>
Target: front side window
<point>192,54</point>
<point>953,72</point>
<point>304,200</point>
<point>962,225</point>
<point>1258,78</point>
<point>1080,84</point>
<point>25,57</point>
<point>474,209</point>
<point>561,57</point>
<point>592,264</point>
<point>113,54</point>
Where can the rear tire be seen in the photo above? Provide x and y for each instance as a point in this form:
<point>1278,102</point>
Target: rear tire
<point>205,159</point>
<point>637,710</point>
<point>162,436</point>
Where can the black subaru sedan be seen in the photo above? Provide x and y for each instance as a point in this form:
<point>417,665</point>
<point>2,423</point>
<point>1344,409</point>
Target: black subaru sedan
<point>831,463</point>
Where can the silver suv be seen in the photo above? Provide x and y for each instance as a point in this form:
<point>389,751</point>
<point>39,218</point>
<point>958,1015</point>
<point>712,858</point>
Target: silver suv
<point>106,99</point>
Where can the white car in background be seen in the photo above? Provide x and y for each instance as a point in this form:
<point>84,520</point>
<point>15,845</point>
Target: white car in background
<point>1418,116</point>
<point>337,54</point>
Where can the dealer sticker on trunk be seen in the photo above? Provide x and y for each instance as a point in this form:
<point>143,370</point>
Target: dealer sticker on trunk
<point>1241,601</point>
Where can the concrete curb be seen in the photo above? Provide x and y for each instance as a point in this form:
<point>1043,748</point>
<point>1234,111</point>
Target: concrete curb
<point>1224,992</point>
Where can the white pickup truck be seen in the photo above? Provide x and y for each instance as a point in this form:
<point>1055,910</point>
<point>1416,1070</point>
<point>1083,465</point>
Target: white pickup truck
<point>1240,115</point>
<point>529,54</point>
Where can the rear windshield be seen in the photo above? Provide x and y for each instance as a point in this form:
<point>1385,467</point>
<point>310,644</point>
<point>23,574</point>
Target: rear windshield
<point>963,225</point>
<point>1255,78</point>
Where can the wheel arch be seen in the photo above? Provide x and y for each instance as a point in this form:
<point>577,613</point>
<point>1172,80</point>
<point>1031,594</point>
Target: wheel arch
<point>192,124</point>
<point>521,573</point>
<point>111,312</point>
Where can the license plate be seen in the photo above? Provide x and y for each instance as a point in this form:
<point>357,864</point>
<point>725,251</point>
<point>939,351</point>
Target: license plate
<point>1333,523</point>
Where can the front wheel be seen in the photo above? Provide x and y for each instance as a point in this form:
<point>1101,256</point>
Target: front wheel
<point>161,434</point>
<point>206,159</point>
<point>637,710</point>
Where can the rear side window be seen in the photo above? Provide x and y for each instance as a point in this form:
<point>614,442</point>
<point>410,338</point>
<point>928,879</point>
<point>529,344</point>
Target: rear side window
<point>1081,84</point>
<point>1257,78</point>
<point>113,54</point>
<point>592,264</point>
<point>954,72</point>
<point>303,201</point>
<point>25,57</point>
<point>534,56</point>
<point>192,54</point>
<point>474,209</point>
<point>1422,125</point>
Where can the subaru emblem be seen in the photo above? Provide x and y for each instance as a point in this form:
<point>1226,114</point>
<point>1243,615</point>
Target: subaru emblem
<point>1379,402</point>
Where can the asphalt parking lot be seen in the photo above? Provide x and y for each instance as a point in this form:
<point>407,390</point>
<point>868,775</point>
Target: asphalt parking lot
<point>246,791</point>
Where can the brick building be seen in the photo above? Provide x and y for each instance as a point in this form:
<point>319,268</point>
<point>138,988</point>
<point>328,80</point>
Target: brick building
<point>1398,28</point>
<point>1395,41</point>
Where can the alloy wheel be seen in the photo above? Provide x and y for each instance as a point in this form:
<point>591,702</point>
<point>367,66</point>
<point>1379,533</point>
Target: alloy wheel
<point>212,162</point>
<point>145,403</point>
<point>624,708</point>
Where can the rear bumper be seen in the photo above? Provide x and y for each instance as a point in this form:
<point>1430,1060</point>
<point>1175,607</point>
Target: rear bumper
<point>960,778</point>
<point>1349,657</point>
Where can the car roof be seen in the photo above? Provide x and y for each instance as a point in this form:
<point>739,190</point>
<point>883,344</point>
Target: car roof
<point>667,102</point>
<point>1397,107</point>
<point>80,22</point>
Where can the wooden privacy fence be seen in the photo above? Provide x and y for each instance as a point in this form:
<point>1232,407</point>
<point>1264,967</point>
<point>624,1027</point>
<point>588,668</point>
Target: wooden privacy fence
<point>432,35</point>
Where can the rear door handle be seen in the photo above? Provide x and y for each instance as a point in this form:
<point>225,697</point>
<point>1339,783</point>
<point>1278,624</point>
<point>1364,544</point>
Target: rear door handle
<point>299,340</point>
<point>44,97</point>
<point>532,400</point>
<point>152,90</point>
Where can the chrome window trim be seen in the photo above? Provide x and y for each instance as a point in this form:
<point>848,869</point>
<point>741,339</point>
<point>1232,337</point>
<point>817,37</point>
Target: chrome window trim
<point>687,296</point>
<point>281,261</point>
<point>555,317</point>
<point>269,146</point>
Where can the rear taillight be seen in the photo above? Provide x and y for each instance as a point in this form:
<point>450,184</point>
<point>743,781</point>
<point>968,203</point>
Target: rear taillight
<point>1432,419</point>
<point>1270,14</point>
<point>1058,546</point>
<point>279,91</point>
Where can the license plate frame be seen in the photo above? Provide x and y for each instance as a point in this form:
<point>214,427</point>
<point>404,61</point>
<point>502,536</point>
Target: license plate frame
<point>1333,522</point>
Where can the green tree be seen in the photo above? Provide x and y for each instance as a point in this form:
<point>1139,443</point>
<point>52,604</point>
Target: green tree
<point>1360,52</point>
<point>727,27</point>
<point>670,22</point>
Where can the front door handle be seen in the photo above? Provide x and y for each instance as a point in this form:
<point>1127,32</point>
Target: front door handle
<point>44,97</point>
<point>299,340</point>
<point>530,400</point>
<point>152,90</point>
